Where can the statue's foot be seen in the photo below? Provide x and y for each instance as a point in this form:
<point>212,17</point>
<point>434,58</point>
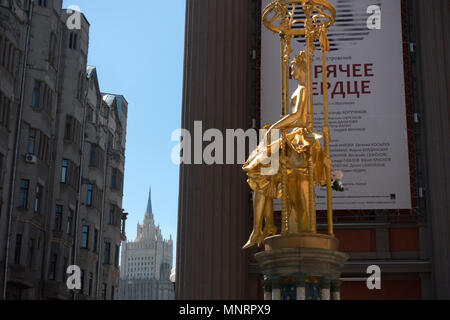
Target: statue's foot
<point>255,239</point>
<point>270,230</point>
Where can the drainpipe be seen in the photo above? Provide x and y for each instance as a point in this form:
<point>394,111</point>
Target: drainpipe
<point>102,215</point>
<point>80,180</point>
<point>16,148</point>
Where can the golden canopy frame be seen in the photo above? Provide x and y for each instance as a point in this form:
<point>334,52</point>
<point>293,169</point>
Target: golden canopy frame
<point>279,17</point>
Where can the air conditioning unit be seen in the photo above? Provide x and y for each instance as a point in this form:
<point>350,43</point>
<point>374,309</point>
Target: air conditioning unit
<point>30,158</point>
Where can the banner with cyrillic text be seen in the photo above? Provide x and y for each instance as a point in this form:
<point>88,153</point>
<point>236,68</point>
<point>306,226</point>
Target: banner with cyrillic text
<point>367,106</point>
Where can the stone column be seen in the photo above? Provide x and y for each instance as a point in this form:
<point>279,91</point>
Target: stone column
<point>214,199</point>
<point>336,289</point>
<point>433,91</point>
<point>301,287</point>
<point>267,290</point>
<point>325,285</point>
<point>276,289</point>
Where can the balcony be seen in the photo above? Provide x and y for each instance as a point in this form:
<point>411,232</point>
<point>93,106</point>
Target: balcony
<point>20,276</point>
<point>56,290</point>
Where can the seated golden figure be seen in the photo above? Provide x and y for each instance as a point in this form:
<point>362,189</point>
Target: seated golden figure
<point>301,143</point>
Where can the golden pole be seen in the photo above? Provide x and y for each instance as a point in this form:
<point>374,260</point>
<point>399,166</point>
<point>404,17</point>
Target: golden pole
<point>283,71</point>
<point>285,54</point>
<point>307,9</point>
<point>326,130</point>
<point>284,200</point>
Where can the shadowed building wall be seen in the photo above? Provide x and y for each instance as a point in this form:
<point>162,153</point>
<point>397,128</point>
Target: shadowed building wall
<point>214,200</point>
<point>434,87</point>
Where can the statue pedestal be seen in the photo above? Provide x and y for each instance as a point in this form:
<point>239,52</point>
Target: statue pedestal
<point>302,266</point>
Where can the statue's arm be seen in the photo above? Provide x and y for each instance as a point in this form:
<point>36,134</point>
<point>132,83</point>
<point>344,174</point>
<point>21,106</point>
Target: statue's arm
<point>288,120</point>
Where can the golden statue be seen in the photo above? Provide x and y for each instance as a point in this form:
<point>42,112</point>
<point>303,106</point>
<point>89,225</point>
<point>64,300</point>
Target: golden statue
<point>304,164</point>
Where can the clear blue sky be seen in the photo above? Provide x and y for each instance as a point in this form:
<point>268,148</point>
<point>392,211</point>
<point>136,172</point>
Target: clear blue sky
<point>137,47</point>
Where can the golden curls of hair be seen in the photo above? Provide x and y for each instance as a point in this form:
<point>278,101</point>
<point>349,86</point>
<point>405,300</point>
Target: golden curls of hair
<point>300,60</point>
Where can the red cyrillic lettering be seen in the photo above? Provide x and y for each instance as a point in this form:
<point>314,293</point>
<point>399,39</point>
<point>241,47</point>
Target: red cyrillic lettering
<point>367,69</point>
<point>335,92</point>
<point>357,68</point>
<point>341,69</point>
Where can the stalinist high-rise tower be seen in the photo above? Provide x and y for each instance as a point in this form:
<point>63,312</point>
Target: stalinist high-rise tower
<point>146,263</point>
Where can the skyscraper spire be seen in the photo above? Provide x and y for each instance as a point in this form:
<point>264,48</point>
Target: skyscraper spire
<point>149,203</point>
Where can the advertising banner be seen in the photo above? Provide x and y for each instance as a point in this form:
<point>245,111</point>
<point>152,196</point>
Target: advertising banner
<point>367,106</point>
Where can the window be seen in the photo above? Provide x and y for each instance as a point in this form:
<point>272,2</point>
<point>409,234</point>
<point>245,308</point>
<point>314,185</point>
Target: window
<point>112,215</point>
<point>90,113</point>
<point>107,253</point>
<point>2,158</point>
<point>5,107</point>
<point>31,141</point>
<point>23,194</point>
<point>81,85</point>
<point>9,55</point>
<point>82,281</point>
<point>3,42</point>
<point>92,155</point>
<point>85,237</point>
<point>94,196</point>
<point>114,179</point>
<point>69,222</point>
<point>116,257</point>
<point>96,157</point>
<point>104,289</point>
<point>30,253</point>
<point>89,195</point>
<point>36,94</point>
<point>44,148</point>
<point>18,249</point>
<point>69,173</point>
<point>110,140</point>
<point>42,3</point>
<point>91,281</point>
<point>37,200</point>
<point>64,273</point>
<point>73,40</point>
<point>64,171</point>
<point>73,130</point>
<point>113,293</point>
<point>58,217</point>
<point>53,263</point>
<point>68,129</point>
<point>52,54</point>
<point>95,240</point>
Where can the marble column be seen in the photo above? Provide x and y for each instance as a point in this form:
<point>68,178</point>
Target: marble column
<point>336,289</point>
<point>300,282</point>
<point>276,290</point>
<point>267,290</point>
<point>325,285</point>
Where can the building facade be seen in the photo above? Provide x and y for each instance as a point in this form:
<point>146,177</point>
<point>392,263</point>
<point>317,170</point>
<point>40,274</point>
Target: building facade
<point>146,263</point>
<point>222,89</point>
<point>62,151</point>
